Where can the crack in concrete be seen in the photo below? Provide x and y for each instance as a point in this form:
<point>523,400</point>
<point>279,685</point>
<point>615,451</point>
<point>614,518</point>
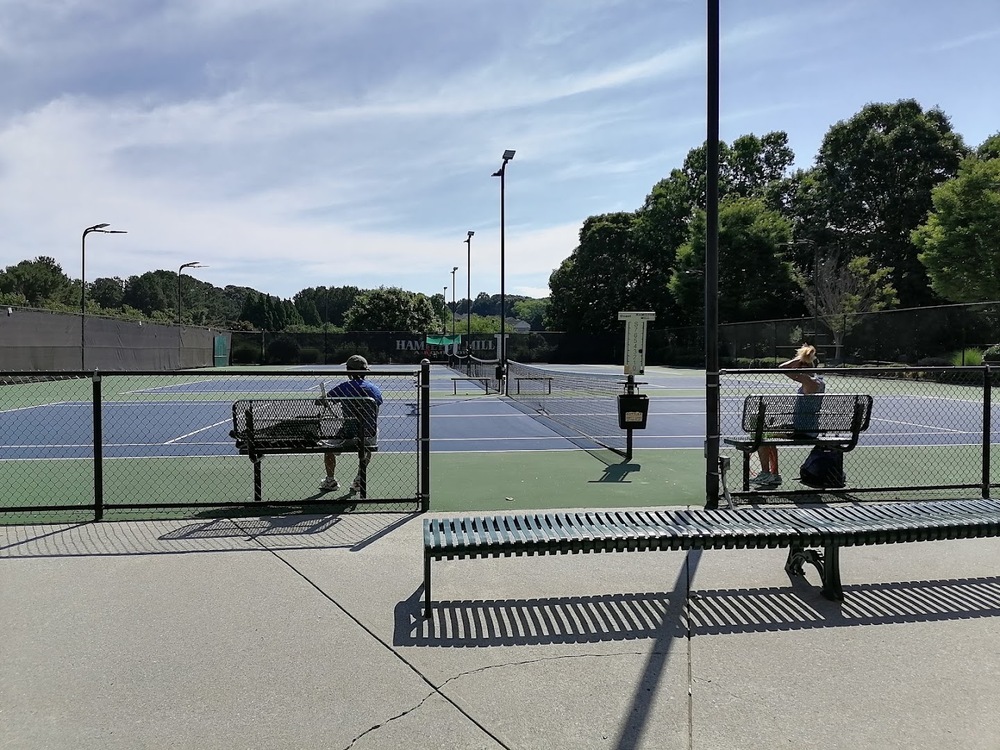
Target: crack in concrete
<point>488,667</point>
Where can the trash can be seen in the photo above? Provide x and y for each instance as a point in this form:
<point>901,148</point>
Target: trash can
<point>633,410</point>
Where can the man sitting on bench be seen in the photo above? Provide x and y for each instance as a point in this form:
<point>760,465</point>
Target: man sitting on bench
<point>361,413</point>
<point>809,384</point>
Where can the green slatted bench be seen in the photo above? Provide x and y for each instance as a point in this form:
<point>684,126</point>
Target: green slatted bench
<point>833,420</point>
<point>812,535</point>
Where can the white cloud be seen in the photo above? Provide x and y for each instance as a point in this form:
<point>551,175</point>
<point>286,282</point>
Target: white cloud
<point>288,143</point>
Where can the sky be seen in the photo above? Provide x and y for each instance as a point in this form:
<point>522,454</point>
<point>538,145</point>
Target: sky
<point>287,144</point>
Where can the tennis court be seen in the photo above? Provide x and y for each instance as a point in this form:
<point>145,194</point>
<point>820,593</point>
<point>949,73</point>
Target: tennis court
<point>164,439</point>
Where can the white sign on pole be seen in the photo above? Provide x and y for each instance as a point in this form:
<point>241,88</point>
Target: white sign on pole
<point>635,340</point>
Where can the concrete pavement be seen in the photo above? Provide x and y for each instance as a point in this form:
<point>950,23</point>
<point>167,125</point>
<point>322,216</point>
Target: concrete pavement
<point>307,632</point>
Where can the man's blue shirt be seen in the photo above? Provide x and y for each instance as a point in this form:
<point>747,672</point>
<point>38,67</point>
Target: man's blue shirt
<point>357,388</point>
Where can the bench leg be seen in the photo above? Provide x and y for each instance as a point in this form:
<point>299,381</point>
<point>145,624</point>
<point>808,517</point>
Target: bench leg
<point>746,471</point>
<point>827,565</point>
<point>832,588</point>
<point>363,473</point>
<point>258,492</point>
<point>427,584</point>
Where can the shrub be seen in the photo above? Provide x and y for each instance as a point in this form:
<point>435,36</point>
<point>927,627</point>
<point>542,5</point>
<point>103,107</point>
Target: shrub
<point>934,362</point>
<point>283,351</point>
<point>968,357</point>
<point>310,355</point>
<point>245,354</point>
<point>992,355</point>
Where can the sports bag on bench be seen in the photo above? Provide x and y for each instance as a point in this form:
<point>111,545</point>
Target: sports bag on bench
<point>823,467</point>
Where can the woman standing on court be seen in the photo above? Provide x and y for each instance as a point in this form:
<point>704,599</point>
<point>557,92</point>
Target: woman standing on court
<point>809,384</point>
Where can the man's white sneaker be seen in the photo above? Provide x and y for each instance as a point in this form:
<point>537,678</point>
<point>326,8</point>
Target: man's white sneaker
<point>329,485</point>
<point>356,485</point>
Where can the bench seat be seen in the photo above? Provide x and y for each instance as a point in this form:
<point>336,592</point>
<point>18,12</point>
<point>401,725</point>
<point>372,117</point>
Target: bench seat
<point>832,420</point>
<point>484,381</point>
<point>305,425</point>
<point>798,529</point>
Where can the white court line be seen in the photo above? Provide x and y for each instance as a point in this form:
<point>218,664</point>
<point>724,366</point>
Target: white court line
<point>39,406</point>
<point>163,387</point>
<point>211,426</point>
<point>917,424</point>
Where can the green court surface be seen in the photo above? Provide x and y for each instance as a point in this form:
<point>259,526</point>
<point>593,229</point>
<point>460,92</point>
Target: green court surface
<point>566,479</point>
<point>927,433</point>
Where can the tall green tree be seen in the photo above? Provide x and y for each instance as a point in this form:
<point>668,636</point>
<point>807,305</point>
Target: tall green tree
<point>533,311</point>
<point>871,187</point>
<point>990,148</point>
<point>146,293</point>
<point>755,280</point>
<point>602,277</point>
<point>391,309</point>
<point>109,293</point>
<point>842,291</point>
<point>36,280</point>
<point>960,241</point>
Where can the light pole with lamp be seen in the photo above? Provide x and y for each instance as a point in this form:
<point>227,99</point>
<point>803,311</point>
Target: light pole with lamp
<point>101,228</point>
<point>453,306</point>
<point>192,264</point>
<point>468,290</point>
<point>444,301</point>
<point>501,173</point>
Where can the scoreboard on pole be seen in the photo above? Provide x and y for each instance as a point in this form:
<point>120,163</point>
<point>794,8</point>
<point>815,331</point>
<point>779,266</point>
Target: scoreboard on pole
<point>635,340</point>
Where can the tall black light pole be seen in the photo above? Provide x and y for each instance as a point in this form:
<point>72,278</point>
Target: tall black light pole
<point>502,173</point>
<point>453,306</point>
<point>444,301</point>
<point>468,290</point>
<point>83,285</point>
<point>712,395</point>
<point>192,264</point>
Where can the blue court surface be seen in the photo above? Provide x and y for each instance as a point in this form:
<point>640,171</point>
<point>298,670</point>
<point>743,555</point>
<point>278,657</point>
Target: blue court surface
<point>192,416</point>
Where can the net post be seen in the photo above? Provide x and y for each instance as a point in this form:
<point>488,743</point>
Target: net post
<point>98,449</point>
<point>425,435</point>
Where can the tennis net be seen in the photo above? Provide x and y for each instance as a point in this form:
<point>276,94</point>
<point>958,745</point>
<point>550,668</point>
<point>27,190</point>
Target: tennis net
<point>586,403</point>
<point>483,368</point>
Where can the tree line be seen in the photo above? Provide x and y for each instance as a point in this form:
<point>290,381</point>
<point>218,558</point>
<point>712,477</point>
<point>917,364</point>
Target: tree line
<point>896,211</point>
<point>164,297</point>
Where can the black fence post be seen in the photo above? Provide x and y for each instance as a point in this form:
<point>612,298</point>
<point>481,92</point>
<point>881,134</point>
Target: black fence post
<point>987,427</point>
<point>425,435</point>
<point>98,450</point>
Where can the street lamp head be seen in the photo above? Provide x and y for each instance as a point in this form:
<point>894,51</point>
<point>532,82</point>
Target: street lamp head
<point>508,154</point>
<point>112,231</point>
<point>454,269</point>
<point>192,264</point>
<point>471,233</point>
<point>100,226</point>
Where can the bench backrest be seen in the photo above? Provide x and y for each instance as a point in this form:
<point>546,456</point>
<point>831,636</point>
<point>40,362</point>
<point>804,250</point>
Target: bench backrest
<point>815,413</point>
<point>290,422</point>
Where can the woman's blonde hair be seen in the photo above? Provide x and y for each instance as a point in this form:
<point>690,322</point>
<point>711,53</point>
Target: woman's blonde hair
<point>807,354</point>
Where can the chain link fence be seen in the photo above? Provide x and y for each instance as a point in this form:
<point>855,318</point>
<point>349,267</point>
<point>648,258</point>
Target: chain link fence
<point>932,430</point>
<point>80,446</point>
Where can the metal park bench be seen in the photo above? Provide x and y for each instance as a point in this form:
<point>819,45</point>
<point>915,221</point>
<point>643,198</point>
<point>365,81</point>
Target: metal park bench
<point>545,379</point>
<point>485,382</point>
<point>799,529</point>
<point>298,425</point>
<point>833,420</point>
